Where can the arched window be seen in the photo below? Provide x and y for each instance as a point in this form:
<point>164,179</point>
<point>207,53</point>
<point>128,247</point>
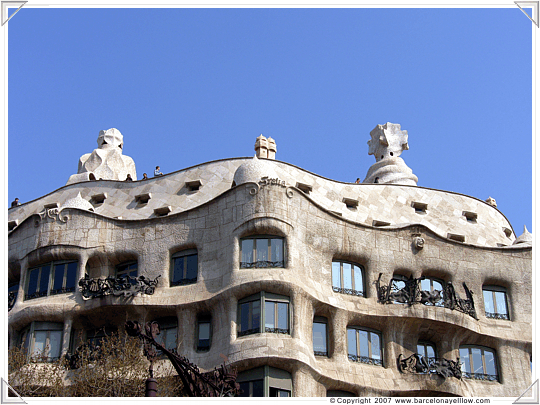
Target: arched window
<point>262,251</point>
<point>432,291</point>
<point>263,309</point>
<point>478,362</point>
<point>348,278</point>
<point>265,381</point>
<point>365,345</point>
<point>51,278</point>
<point>184,267</point>
<point>427,351</point>
<point>495,302</point>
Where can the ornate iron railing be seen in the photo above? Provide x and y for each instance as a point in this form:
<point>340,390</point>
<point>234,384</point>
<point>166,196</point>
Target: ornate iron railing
<point>249,331</point>
<point>411,293</point>
<point>12,297</point>
<point>184,281</point>
<point>62,290</point>
<point>416,363</point>
<point>123,285</point>
<point>495,315</point>
<point>277,330</point>
<point>37,294</point>
<point>365,360</point>
<point>261,264</point>
<point>349,291</point>
<point>479,376</point>
<point>318,353</point>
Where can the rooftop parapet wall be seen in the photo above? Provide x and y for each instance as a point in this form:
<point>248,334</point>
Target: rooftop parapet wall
<point>368,204</point>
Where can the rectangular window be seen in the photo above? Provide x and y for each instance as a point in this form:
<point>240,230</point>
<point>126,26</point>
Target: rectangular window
<point>43,341</point>
<point>184,267</point>
<point>478,362</point>
<point>204,333</point>
<point>348,278</point>
<point>51,278</point>
<point>265,381</point>
<point>364,346</point>
<point>274,316</point>
<point>261,252</point>
<point>320,336</point>
<point>495,302</point>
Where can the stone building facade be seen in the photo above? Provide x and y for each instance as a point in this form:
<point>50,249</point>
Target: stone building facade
<point>308,286</point>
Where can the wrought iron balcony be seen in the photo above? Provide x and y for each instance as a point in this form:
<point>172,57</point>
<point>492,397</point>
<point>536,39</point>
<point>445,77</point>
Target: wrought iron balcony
<point>479,376</point>
<point>277,330</point>
<point>123,285</point>
<point>495,315</point>
<point>349,291</point>
<point>249,331</point>
<point>365,360</point>
<point>261,264</point>
<point>416,363</point>
<point>411,293</point>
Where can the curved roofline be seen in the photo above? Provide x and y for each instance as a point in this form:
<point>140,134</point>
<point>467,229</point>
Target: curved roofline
<point>279,161</point>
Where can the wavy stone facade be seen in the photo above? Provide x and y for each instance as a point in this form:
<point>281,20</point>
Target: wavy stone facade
<point>389,232</point>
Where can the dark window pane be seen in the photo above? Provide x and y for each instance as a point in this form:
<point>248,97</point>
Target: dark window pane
<point>44,280</point>
<point>178,270</point>
<point>256,318</point>
<point>244,389</point>
<point>283,315</point>
<point>247,251</point>
<point>258,388</point>
<point>262,250</point>
<point>319,337</point>
<point>192,262</point>
<point>71,278</point>
<point>244,316</point>
<point>32,281</point>
<point>269,314</point>
<point>58,276</point>
<point>351,341</point>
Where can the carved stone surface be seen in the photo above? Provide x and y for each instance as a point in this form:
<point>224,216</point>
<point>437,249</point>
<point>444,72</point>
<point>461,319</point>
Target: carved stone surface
<point>107,161</point>
<point>220,382</point>
<point>386,144</point>
<point>411,293</point>
<point>417,363</point>
<point>418,242</point>
<point>124,285</point>
<point>265,148</point>
<point>491,201</point>
<point>525,237</point>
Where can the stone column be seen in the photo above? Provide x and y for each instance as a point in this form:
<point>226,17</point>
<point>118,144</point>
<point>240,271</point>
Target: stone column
<point>186,331</point>
<point>339,335</point>
<point>66,335</point>
<point>22,282</point>
<point>302,321</point>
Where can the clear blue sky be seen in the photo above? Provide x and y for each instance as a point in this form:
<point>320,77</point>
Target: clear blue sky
<point>186,86</point>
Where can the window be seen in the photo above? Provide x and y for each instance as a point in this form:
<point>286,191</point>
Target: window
<point>320,335</point>
<point>168,330</point>
<point>126,269</point>
<point>478,362</point>
<point>348,278</point>
<point>265,381</point>
<point>184,267</point>
<point>364,346</point>
<point>261,252</point>
<point>13,291</point>
<point>427,351</point>
<point>204,333</point>
<point>95,336</point>
<point>275,316</point>
<point>495,302</point>
<point>43,340</point>
<point>432,292</point>
<point>51,278</point>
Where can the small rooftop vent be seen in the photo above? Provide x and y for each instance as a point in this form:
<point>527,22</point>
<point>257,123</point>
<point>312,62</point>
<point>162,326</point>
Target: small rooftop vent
<point>456,237</point>
<point>351,203</point>
<point>419,207</point>
<point>306,188</point>
<point>193,185</point>
<point>12,224</point>
<point>161,212</point>
<point>380,223</point>
<point>471,216</point>
<point>143,198</point>
<point>98,198</point>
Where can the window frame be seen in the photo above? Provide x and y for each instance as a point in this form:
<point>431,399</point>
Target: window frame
<point>262,297</point>
<point>28,338</point>
<point>183,280</point>
<point>50,282</point>
<point>494,289</point>
<point>351,291</point>
<point>429,359</point>
<point>442,283</point>
<point>321,320</point>
<point>204,319</point>
<point>366,359</point>
<point>272,378</point>
<point>166,326</point>
<point>125,272</point>
<point>263,263</point>
<point>479,376</point>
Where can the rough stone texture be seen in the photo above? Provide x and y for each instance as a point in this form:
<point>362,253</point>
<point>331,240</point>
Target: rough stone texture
<point>314,237</point>
<point>106,162</point>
